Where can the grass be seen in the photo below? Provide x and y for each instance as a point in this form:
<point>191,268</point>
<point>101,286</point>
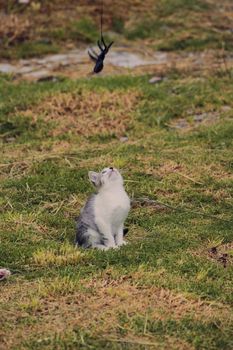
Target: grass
<point>50,26</point>
<point>163,290</point>
<point>183,25</point>
<point>30,49</point>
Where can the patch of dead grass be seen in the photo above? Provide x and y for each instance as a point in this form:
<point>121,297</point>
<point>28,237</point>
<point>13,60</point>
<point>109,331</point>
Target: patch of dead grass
<point>218,171</point>
<point>60,307</point>
<point>171,167</point>
<point>88,113</point>
<point>18,162</point>
<point>14,28</point>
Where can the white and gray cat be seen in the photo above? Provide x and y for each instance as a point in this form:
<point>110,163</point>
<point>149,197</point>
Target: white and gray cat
<point>101,221</point>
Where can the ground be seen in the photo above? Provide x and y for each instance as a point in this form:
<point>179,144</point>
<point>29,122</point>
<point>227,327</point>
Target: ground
<point>171,286</point>
<point>50,26</point>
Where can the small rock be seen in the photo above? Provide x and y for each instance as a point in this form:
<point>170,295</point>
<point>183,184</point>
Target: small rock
<point>226,108</point>
<point>130,60</point>
<point>39,74</point>
<point>199,117</point>
<point>57,58</point>
<point>7,68</point>
<point>10,139</point>
<point>25,70</point>
<point>155,80</point>
<point>124,139</point>
<point>181,124</point>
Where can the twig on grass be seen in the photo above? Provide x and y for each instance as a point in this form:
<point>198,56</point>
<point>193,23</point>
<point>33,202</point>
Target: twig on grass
<point>189,178</point>
<point>129,341</point>
<point>156,202</point>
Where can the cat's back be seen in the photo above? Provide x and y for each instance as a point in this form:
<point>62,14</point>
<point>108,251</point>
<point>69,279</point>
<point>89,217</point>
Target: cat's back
<point>87,214</point>
<point>86,221</point>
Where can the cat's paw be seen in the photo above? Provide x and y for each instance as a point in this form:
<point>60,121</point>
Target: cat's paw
<point>111,247</point>
<point>122,243</point>
<point>104,247</point>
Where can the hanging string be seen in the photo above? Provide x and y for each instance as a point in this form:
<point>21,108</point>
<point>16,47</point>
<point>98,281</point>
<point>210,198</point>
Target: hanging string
<point>101,19</point>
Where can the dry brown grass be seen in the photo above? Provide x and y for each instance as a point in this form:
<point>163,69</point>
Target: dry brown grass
<point>19,161</point>
<point>88,113</point>
<point>32,19</point>
<point>126,296</point>
<point>14,28</point>
<point>59,307</point>
<point>218,171</point>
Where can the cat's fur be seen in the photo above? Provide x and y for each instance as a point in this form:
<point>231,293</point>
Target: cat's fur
<point>101,221</point>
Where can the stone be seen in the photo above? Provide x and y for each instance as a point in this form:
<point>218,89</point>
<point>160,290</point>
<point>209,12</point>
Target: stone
<point>37,75</point>
<point>155,80</point>
<point>129,60</point>
<point>226,108</point>
<point>124,139</point>
<point>7,68</point>
<point>25,69</point>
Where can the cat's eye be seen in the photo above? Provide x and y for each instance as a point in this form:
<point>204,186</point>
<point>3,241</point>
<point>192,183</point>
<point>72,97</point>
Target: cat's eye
<point>104,171</point>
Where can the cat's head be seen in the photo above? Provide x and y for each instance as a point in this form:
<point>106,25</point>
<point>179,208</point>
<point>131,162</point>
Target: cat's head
<point>107,178</point>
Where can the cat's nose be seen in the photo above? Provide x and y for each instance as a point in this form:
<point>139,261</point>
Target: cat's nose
<point>111,168</point>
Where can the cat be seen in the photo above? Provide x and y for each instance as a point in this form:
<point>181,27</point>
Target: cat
<point>101,221</point>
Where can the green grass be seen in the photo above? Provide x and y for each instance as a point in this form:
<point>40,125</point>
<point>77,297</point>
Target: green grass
<point>183,25</point>
<point>83,30</point>
<point>29,49</point>
<point>61,298</point>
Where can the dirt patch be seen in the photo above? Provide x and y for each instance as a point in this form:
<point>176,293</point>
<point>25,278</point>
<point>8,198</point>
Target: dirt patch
<point>88,113</point>
<point>193,122</point>
<point>217,252</point>
<point>148,203</point>
<point>223,254</point>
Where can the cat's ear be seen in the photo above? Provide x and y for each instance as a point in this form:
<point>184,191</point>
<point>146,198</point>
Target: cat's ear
<point>94,178</point>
